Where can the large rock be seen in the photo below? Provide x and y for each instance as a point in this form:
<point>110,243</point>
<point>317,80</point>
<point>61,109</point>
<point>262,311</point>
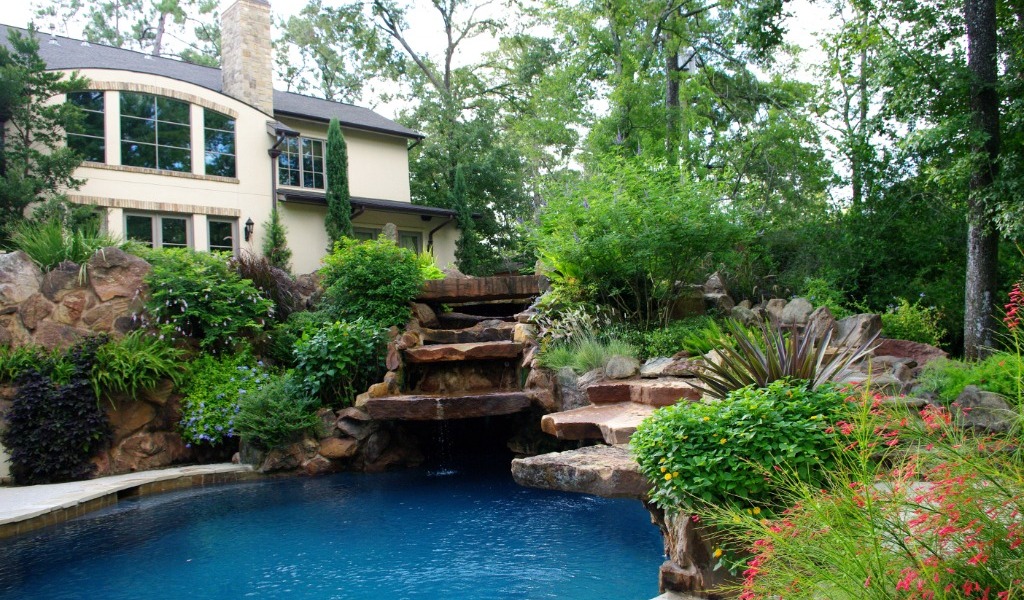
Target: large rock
<point>774,309</point>
<point>502,287</point>
<point>855,331</point>
<point>441,408</point>
<point>655,367</point>
<point>70,310</point>
<point>607,471</point>
<point>128,416</point>
<point>144,451</point>
<point>541,385</point>
<point>461,352</point>
<point>744,315</point>
<point>715,285</point>
<point>424,314</point>
<point>610,423</point>
<point>19,278</point>
<point>571,389</point>
<point>821,320</point>
<point>33,310</point>
<point>721,304</point>
<point>621,367</point>
<point>985,412</point>
<point>337,449</point>
<point>115,273</point>
<point>52,335</point>
<point>60,280</point>
<point>796,312</point>
<point>664,391</point>
<point>920,353</point>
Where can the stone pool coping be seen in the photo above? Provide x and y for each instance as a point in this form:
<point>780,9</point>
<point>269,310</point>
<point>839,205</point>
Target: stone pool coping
<point>26,508</point>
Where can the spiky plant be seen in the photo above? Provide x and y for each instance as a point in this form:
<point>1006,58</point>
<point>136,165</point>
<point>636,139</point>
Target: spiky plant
<point>772,352</point>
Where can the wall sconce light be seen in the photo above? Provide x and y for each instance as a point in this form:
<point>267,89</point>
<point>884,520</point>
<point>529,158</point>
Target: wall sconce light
<point>248,229</point>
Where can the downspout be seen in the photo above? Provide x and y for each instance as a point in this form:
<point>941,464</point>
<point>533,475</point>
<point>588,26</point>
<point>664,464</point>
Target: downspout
<point>430,236</point>
<point>357,212</point>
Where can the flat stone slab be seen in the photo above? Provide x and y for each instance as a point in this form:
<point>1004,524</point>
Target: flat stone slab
<point>664,391</point>
<point>458,352</point>
<point>466,336</point>
<point>612,423</point>
<point>440,408</point>
<point>607,471</point>
<point>33,505</point>
<point>504,287</point>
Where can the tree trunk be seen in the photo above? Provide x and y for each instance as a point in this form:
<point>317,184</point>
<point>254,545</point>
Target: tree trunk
<point>982,238</point>
<point>671,103</point>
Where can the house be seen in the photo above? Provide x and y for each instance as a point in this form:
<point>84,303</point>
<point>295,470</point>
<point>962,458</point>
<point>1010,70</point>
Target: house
<point>181,155</point>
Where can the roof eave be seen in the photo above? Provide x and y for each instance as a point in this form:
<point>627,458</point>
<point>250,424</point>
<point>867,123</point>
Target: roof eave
<point>415,135</point>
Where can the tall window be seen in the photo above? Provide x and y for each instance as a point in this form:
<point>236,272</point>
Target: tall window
<point>90,141</point>
<point>301,163</point>
<point>219,133</point>
<point>158,231</point>
<point>155,132</point>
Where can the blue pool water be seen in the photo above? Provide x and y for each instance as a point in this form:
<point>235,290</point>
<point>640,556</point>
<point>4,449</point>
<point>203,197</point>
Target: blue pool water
<point>469,535</point>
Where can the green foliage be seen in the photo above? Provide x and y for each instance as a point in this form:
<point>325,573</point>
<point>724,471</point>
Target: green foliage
<point>279,342</point>
<point>213,393</point>
<point>198,295</point>
<point>49,243</point>
<point>275,244</point>
<point>272,283</point>
<point>913,322</point>
<point>584,353</point>
<point>339,207</point>
<point>769,354</point>
<point>696,453</point>
<point>35,164</point>
<point>54,424</point>
<point>340,360</point>
<point>374,280</point>
<point>629,234</point>
<point>694,335</point>
<point>136,362</point>
<point>821,292</point>
<point>428,267</point>
<point>276,413</point>
<point>999,373</point>
<point>16,361</point>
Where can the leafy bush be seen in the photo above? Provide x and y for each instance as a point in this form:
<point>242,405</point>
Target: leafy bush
<point>821,292</point>
<point>583,353</point>
<point>16,361</point>
<point>720,452</point>
<point>276,413</point>
<point>54,427</point>
<point>694,335</point>
<point>629,233</point>
<point>769,354</point>
<point>906,321</point>
<point>197,295</point>
<point>428,268</point>
<point>49,243</point>
<point>374,280</point>
<point>136,362</point>
<point>279,342</point>
<point>340,360</point>
<point>999,373</point>
<point>213,393</point>
<point>273,283</point>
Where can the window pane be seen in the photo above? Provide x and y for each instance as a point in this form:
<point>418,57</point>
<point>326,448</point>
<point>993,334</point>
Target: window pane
<point>138,105</point>
<point>172,111</point>
<point>410,241</point>
<point>215,120</point>
<point>138,130</point>
<point>91,100</point>
<point>173,232</point>
<point>92,124</point>
<point>221,236</point>
<point>220,141</point>
<point>90,148</point>
<point>138,155</point>
<point>140,229</point>
<point>365,235</point>
<point>220,164</point>
<point>177,136</point>
<point>173,159</point>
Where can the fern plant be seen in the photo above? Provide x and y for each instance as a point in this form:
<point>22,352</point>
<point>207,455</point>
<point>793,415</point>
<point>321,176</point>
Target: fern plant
<point>769,353</point>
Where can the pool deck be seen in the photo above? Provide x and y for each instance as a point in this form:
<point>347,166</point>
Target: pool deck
<point>26,508</point>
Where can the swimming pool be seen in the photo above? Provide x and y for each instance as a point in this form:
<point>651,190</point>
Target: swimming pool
<point>471,534</point>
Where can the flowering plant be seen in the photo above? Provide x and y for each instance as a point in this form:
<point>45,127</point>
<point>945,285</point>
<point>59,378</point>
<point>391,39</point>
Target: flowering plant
<point>212,396</point>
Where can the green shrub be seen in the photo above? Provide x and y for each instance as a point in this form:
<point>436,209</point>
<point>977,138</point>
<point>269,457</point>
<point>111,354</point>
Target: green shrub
<point>16,361</point>
<point>197,295</point>
<point>822,292</point>
<point>54,424</point>
<point>279,342</point>
<point>340,360</point>
<point>999,373</point>
<point>49,243</point>
<point>374,280</point>
<point>136,362</point>
<point>720,452</point>
<point>694,335</point>
<point>276,413</point>
<point>906,321</point>
<point>428,268</point>
<point>213,393</point>
<point>584,353</point>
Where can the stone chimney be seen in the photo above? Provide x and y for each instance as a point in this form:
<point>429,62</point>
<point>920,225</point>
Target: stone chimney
<point>246,67</point>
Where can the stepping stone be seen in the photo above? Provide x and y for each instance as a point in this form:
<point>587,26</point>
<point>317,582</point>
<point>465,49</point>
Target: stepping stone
<point>607,471</point>
<point>664,391</point>
<point>505,287</point>
<point>466,336</point>
<point>456,352</point>
<point>441,408</point>
<point>612,423</point>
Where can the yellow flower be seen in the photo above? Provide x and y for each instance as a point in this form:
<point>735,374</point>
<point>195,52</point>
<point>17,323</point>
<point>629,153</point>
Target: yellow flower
<point>706,419</point>
<point>668,477</point>
<point>663,469</point>
<point>722,441</point>
<point>718,552</point>
<point>735,518</point>
<point>675,473</point>
<point>757,510</point>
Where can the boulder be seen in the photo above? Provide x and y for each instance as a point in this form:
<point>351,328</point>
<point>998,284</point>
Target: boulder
<point>19,278</point>
<point>70,310</point>
<point>128,416</point>
<point>394,357</point>
<point>655,367</point>
<point>318,465</point>
<point>523,333</point>
<point>715,285</point>
<point>744,315</point>
<point>282,459</point>
<point>821,320</point>
<point>571,389</point>
<point>796,312</point>
<point>920,354</point>
<point>33,310</point>
<point>718,303</point>
<point>855,331</point>
<point>52,335</point>
<point>985,412</point>
<point>607,471</point>
<point>115,273</point>
<point>774,309</point>
<point>143,451</point>
<point>621,367</point>
<point>60,280</point>
<point>541,386</point>
<point>337,449</point>
<point>424,314</point>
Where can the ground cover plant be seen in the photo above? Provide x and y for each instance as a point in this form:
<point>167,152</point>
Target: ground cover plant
<point>584,353</point>
<point>138,361</point>
<point>213,394</point>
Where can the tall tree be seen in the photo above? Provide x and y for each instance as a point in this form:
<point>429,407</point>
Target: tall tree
<point>339,205</point>
<point>185,29</point>
<point>35,163</point>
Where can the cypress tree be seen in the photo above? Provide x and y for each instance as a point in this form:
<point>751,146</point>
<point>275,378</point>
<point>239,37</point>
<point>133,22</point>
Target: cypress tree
<point>275,244</point>
<point>467,249</point>
<point>339,208</point>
